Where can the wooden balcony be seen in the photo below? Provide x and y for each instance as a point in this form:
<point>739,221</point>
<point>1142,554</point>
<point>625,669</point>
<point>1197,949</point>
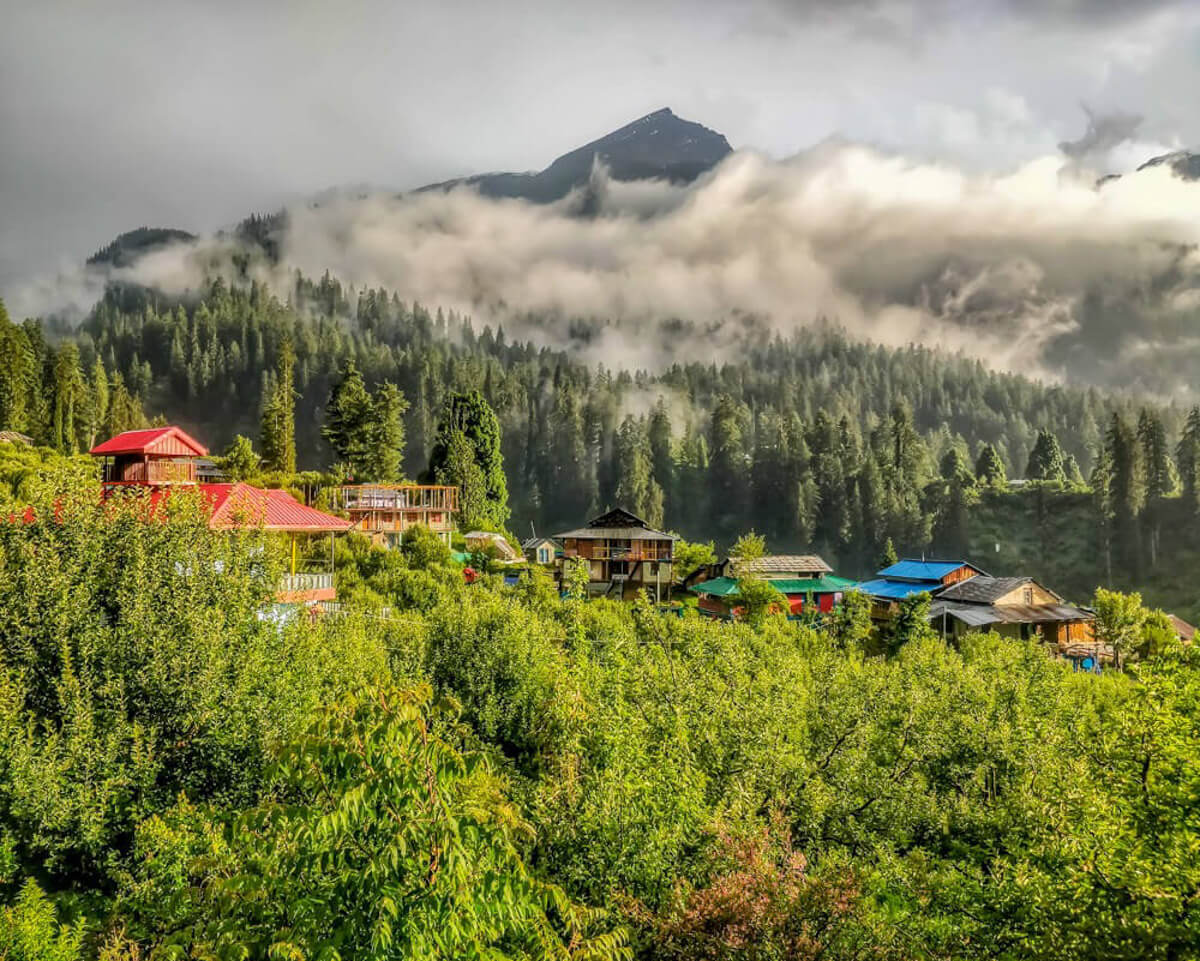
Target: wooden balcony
<point>393,509</point>
<point>615,551</point>
<point>398,497</point>
<point>150,471</point>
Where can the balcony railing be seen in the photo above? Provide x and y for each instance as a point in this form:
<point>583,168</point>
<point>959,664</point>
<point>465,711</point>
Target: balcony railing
<point>637,552</point>
<point>151,472</point>
<point>399,497</point>
<point>305,583</point>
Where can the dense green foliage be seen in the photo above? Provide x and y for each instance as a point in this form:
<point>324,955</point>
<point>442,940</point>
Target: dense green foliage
<point>453,770</point>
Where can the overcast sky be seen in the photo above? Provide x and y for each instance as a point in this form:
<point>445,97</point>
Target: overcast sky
<point>131,112</point>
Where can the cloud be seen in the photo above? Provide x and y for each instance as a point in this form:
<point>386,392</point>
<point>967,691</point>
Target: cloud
<point>1035,270</point>
<point>1006,268</point>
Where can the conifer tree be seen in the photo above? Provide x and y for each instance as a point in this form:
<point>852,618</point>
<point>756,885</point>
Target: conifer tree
<point>385,454</point>
<point>989,468</point>
<point>472,416</point>
<point>349,422</point>
<point>1046,459</point>
<point>637,491</point>
<point>278,435</point>
<point>1187,456</point>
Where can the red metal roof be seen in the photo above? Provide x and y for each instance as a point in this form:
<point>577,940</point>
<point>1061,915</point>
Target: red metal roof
<point>166,441</point>
<point>237,505</point>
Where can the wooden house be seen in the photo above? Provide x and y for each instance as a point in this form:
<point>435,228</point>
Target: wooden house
<point>1013,607</point>
<point>624,554</point>
<point>156,457</point>
<point>542,550</point>
<point>385,511</point>
<point>907,577</point>
<point>718,597</point>
<point>164,459</point>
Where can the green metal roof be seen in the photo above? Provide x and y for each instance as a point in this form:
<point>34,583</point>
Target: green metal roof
<point>728,586</point>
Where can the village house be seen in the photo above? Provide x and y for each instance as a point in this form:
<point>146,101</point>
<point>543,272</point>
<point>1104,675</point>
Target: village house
<point>718,597</point>
<point>908,577</point>
<point>383,512</point>
<point>624,554</point>
<point>966,599</point>
<point>806,580</point>
<point>774,566</point>
<point>496,543</point>
<point>542,550</point>
<point>163,459</point>
<point>1012,607</point>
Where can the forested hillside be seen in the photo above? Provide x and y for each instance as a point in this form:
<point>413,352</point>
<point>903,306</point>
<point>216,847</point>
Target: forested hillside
<point>814,440</point>
<point>447,770</point>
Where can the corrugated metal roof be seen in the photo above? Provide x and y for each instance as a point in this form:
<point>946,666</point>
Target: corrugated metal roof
<point>617,534</point>
<point>236,505</point>
<point>979,614</point>
<point>983,589</point>
<point>896,590</point>
<point>727,586</point>
<point>911,570</point>
<point>717,587</point>
<point>168,441</point>
<point>784,564</point>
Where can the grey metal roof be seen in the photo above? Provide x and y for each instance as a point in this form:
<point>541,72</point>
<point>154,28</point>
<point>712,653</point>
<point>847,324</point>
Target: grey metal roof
<point>617,534</point>
<point>976,615</point>
<point>784,564</point>
<point>982,589</point>
<point>531,542</point>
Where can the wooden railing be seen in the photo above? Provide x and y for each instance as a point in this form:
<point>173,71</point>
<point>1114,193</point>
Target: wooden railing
<point>151,472</point>
<point>398,497</point>
<point>639,551</point>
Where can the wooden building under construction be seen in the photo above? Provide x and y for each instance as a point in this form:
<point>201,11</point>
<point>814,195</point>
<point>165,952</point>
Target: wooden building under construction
<point>385,511</point>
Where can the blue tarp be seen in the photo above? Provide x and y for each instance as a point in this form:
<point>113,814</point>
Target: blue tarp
<point>896,590</point>
<point>920,570</point>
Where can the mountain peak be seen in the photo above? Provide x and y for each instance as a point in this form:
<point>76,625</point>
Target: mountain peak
<point>660,145</point>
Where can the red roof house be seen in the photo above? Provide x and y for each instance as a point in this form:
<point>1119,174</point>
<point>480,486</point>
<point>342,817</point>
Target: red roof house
<point>162,458</point>
<point>156,456</point>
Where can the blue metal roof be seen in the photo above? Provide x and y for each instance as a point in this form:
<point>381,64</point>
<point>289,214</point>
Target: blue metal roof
<point>896,590</point>
<point>921,570</point>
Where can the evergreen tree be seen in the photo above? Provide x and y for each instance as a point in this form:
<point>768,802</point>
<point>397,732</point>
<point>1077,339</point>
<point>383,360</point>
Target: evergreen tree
<point>350,422</point>
<point>1126,489</point>
<point>637,490</point>
<point>472,416</point>
<point>98,402</point>
<point>279,415</point>
<point>460,469</point>
<point>1160,475</point>
<point>69,391</point>
<point>385,453</point>
<point>1046,459</point>
<point>18,376</point>
<point>1187,457</point>
<point>240,461</point>
<point>989,468</point>
<point>889,556</point>
<point>662,459</point>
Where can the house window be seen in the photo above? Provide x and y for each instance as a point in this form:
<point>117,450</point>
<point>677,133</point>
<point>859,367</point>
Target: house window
<point>544,555</point>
